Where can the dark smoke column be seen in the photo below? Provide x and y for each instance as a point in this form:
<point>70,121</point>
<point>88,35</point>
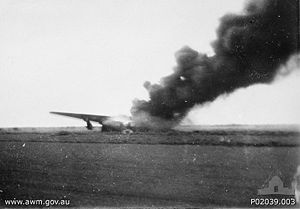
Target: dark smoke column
<point>249,49</point>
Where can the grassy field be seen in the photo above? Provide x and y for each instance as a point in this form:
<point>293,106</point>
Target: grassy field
<point>204,168</point>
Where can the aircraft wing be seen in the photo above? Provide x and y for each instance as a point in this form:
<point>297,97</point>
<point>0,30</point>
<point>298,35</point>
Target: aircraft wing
<point>85,117</point>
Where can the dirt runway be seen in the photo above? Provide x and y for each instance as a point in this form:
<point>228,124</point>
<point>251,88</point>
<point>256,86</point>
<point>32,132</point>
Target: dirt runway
<point>130,174</point>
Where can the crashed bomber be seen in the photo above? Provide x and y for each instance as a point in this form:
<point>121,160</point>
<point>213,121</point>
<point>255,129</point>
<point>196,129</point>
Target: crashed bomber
<point>109,123</point>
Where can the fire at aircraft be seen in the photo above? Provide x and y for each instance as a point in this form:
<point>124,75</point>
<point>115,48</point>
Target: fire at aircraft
<point>250,49</point>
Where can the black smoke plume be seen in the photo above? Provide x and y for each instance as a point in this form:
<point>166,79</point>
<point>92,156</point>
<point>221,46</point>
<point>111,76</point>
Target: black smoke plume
<point>249,49</point>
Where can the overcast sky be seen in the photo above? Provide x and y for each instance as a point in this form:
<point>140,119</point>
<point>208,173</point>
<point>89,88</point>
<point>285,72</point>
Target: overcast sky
<point>94,56</point>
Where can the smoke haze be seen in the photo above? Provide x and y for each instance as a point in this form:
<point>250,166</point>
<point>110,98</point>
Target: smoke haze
<point>249,49</point>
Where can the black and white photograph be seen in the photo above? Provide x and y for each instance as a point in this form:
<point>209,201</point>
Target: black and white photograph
<point>149,104</point>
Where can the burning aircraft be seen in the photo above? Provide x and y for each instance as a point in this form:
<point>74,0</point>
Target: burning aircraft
<point>250,49</point>
<point>109,123</point>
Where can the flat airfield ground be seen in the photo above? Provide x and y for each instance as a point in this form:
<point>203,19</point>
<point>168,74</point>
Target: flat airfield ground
<point>204,168</point>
